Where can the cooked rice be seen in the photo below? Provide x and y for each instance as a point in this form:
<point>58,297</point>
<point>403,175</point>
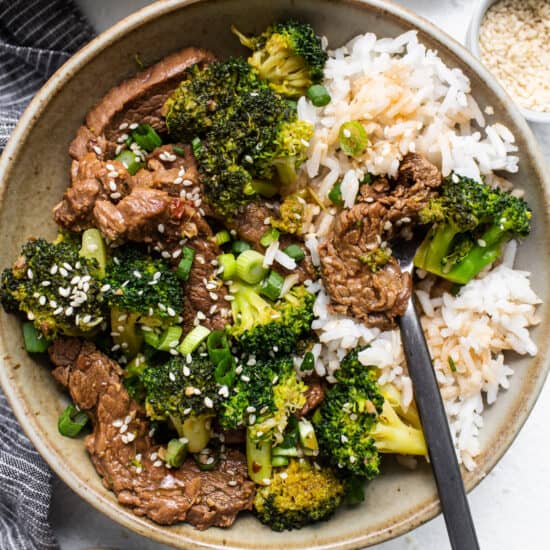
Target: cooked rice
<point>409,100</point>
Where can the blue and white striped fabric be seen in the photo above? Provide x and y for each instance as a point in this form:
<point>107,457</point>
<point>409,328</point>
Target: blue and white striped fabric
<point>36,37</point>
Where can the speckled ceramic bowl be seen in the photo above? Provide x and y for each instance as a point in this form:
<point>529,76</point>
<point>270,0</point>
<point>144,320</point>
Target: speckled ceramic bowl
<point>34,172</point>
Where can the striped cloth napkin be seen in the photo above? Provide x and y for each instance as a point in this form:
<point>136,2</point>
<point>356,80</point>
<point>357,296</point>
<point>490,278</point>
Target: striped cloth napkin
<point>36,37</point>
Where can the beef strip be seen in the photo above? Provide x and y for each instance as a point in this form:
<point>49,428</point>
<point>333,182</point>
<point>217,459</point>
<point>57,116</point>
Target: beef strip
<point>384,207</point>
<point>315,395</point>
<point>139,99</point>
<point>127,458</point>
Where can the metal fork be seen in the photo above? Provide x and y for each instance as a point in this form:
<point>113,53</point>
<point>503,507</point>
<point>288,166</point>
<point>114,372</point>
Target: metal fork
<point>446,470</point>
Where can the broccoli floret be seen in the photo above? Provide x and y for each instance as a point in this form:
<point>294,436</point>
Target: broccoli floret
<point>184,393</point>
<point>242,131</point>
<point>376,259</point>
<point>138,283</point>
<point>289,55</point>
<point>471,221</point>
<point>297,496</point>
<point>54,286</point>
<point>262,328</point>
<point>266,394</point>
<point>291,213</point>
<point>355,423</point>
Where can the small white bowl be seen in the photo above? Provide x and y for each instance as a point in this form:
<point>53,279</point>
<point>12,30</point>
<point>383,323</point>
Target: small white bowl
<point>472,42</point>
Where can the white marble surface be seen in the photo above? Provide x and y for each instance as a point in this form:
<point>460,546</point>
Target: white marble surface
<point>510,506</point>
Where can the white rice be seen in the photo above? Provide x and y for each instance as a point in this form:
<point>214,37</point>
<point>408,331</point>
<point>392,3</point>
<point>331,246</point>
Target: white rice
<point>409,100</point>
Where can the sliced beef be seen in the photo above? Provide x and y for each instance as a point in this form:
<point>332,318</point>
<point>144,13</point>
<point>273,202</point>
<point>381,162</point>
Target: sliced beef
<point>139,99</point>
<point>205,296</point>
<point>377,296</point>
<point>126,457</point>
<point>315,395</point>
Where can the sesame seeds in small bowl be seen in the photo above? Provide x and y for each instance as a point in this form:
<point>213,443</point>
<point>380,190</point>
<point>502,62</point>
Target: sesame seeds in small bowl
<point>512,39</point>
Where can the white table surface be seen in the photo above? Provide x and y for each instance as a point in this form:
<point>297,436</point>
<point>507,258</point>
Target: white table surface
<point>510,506</point>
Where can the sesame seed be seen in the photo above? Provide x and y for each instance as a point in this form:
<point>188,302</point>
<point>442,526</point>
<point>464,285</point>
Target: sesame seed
<point>105,288</point>
<point>187,411</point>
<point>133,126</point>
<point>45,283</point>
<point>186,371</point>
<point>283,475</point>
<point>115,196</point>
<point>122,138</point>
<point>213,295</point>
<point>171,312</point>
<point>172,377</point>
<point>157,463</point>
<point>130,437</point>
<point>248,159</point>
<point>97,150</point>
<point>116,347</point>
<point>117,423</point>
<point>252,419</point>
<point>30,316</point>
<point>352,459</point>
<point>42,300</point>
<point>112,186</point>
<point>160,228</point>
<point>266,481</point>
<point>178,180</point>
<point>232,483</point>
<point>58,311</point>
<point>113,174</point>
<point>123,428</point>
<point>208,402</point>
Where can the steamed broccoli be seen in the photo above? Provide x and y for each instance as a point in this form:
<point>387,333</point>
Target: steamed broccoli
<point>289,55</point>
<point>377,258</point>
<point>141,291</point>
<point>297,496</point>
<point>242,132</point>
<point>55,287</point>
<point>262,328</point>
<point>265,395</point>
<point>471,222</point>
<point>355,423</point>
<point>185,394</point>
<point>291,213</point>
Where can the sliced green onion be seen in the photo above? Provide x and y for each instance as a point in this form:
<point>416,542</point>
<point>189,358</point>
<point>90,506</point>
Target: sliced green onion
<point>193,340</point>
<point>152,338</point>
<point>353,138</point>
<point>452,365</point>
<point>258,457</point>
<point>93,246</point>
<point>136,366</point>
<point>207,462</point>
<point>270,236</point>
<point>240,246</point>
<point>335,194</point>
<point>178,150</point>
<point>264,188</point>
<point>186,263</point>
<point>197,430</point>
<point>318,95</point>
<point>308,362</point>
<point>35,341</point>
<point>196,146</point>
<point>170,339</point>
<point>131,161</point>
<point>367,178</point>
<point>292,104</point>
<point>176,452</point>
<point>250,267</point>
<point>308,438</point>
<point>71,421</point>
<point>229,265</point>
<point>272,285</point>
<point>146,137</point>
<point>218,346</point>
<point>285,451</point>
<point>222,237</point>
<point>295,252</point>
<point>224,373</point>
<point>278,461</point>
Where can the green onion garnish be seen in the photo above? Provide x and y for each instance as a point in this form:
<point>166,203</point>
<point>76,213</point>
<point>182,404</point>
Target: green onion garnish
<point>308,362</point>
<point>224,373</point>
<point>93,247</point>
<point>151,338</point>
<point>146,137</point>
<point>218,346</point>
<point>229,265</point>
<point>318,95</point>
<point>278,461</point>
<point>335,194</point>
<point>35,341</point>
<point>452,364</point>
<point>222,237</point>
<point>270,236</point>
<point>71,421</point>
<point>176,452</point>
<point>353,138</point>
<point>272,285</point>
<point>186,263</point>
<point>130,160</point>
<point>193,340</point>
<point>240,246</point>
<point>170,339</point>
<point>178,150</point>
<point>295,252</point>
<point>264,188</point>
<point>250,267</point>
<point>196,146</point>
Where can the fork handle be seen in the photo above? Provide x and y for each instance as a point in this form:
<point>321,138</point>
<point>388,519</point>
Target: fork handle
<point>450,487</point>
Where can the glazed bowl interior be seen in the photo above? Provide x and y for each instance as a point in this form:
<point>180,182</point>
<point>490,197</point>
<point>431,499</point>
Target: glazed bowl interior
<point>35,172</point>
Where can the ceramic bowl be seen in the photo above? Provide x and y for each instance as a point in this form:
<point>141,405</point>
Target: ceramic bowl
<point>472,41</point>
<point>34,172</point>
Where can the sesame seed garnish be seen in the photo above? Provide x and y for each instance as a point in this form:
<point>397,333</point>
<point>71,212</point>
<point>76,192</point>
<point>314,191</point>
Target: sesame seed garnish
<point>213,295</point>
<point>245,378</point>
<point>42,300</point>
<point>117,423</point>
<point>53,269</point>
<point>266,481</point>
<point>115,196</point>
<point>208,402</point>
<point>112,186</point>
<point>232,483</point>
<point>172,377</point>
<point>178,180</point>
<point>160,228</point>
<point>97,150</point>
<point>133,126</point>
<point>157,463</point>
<point>171,312</point>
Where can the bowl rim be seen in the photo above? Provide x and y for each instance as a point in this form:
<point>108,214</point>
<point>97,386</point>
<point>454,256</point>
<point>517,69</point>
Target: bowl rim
<point>472,41</point>
<point>112,509</point>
